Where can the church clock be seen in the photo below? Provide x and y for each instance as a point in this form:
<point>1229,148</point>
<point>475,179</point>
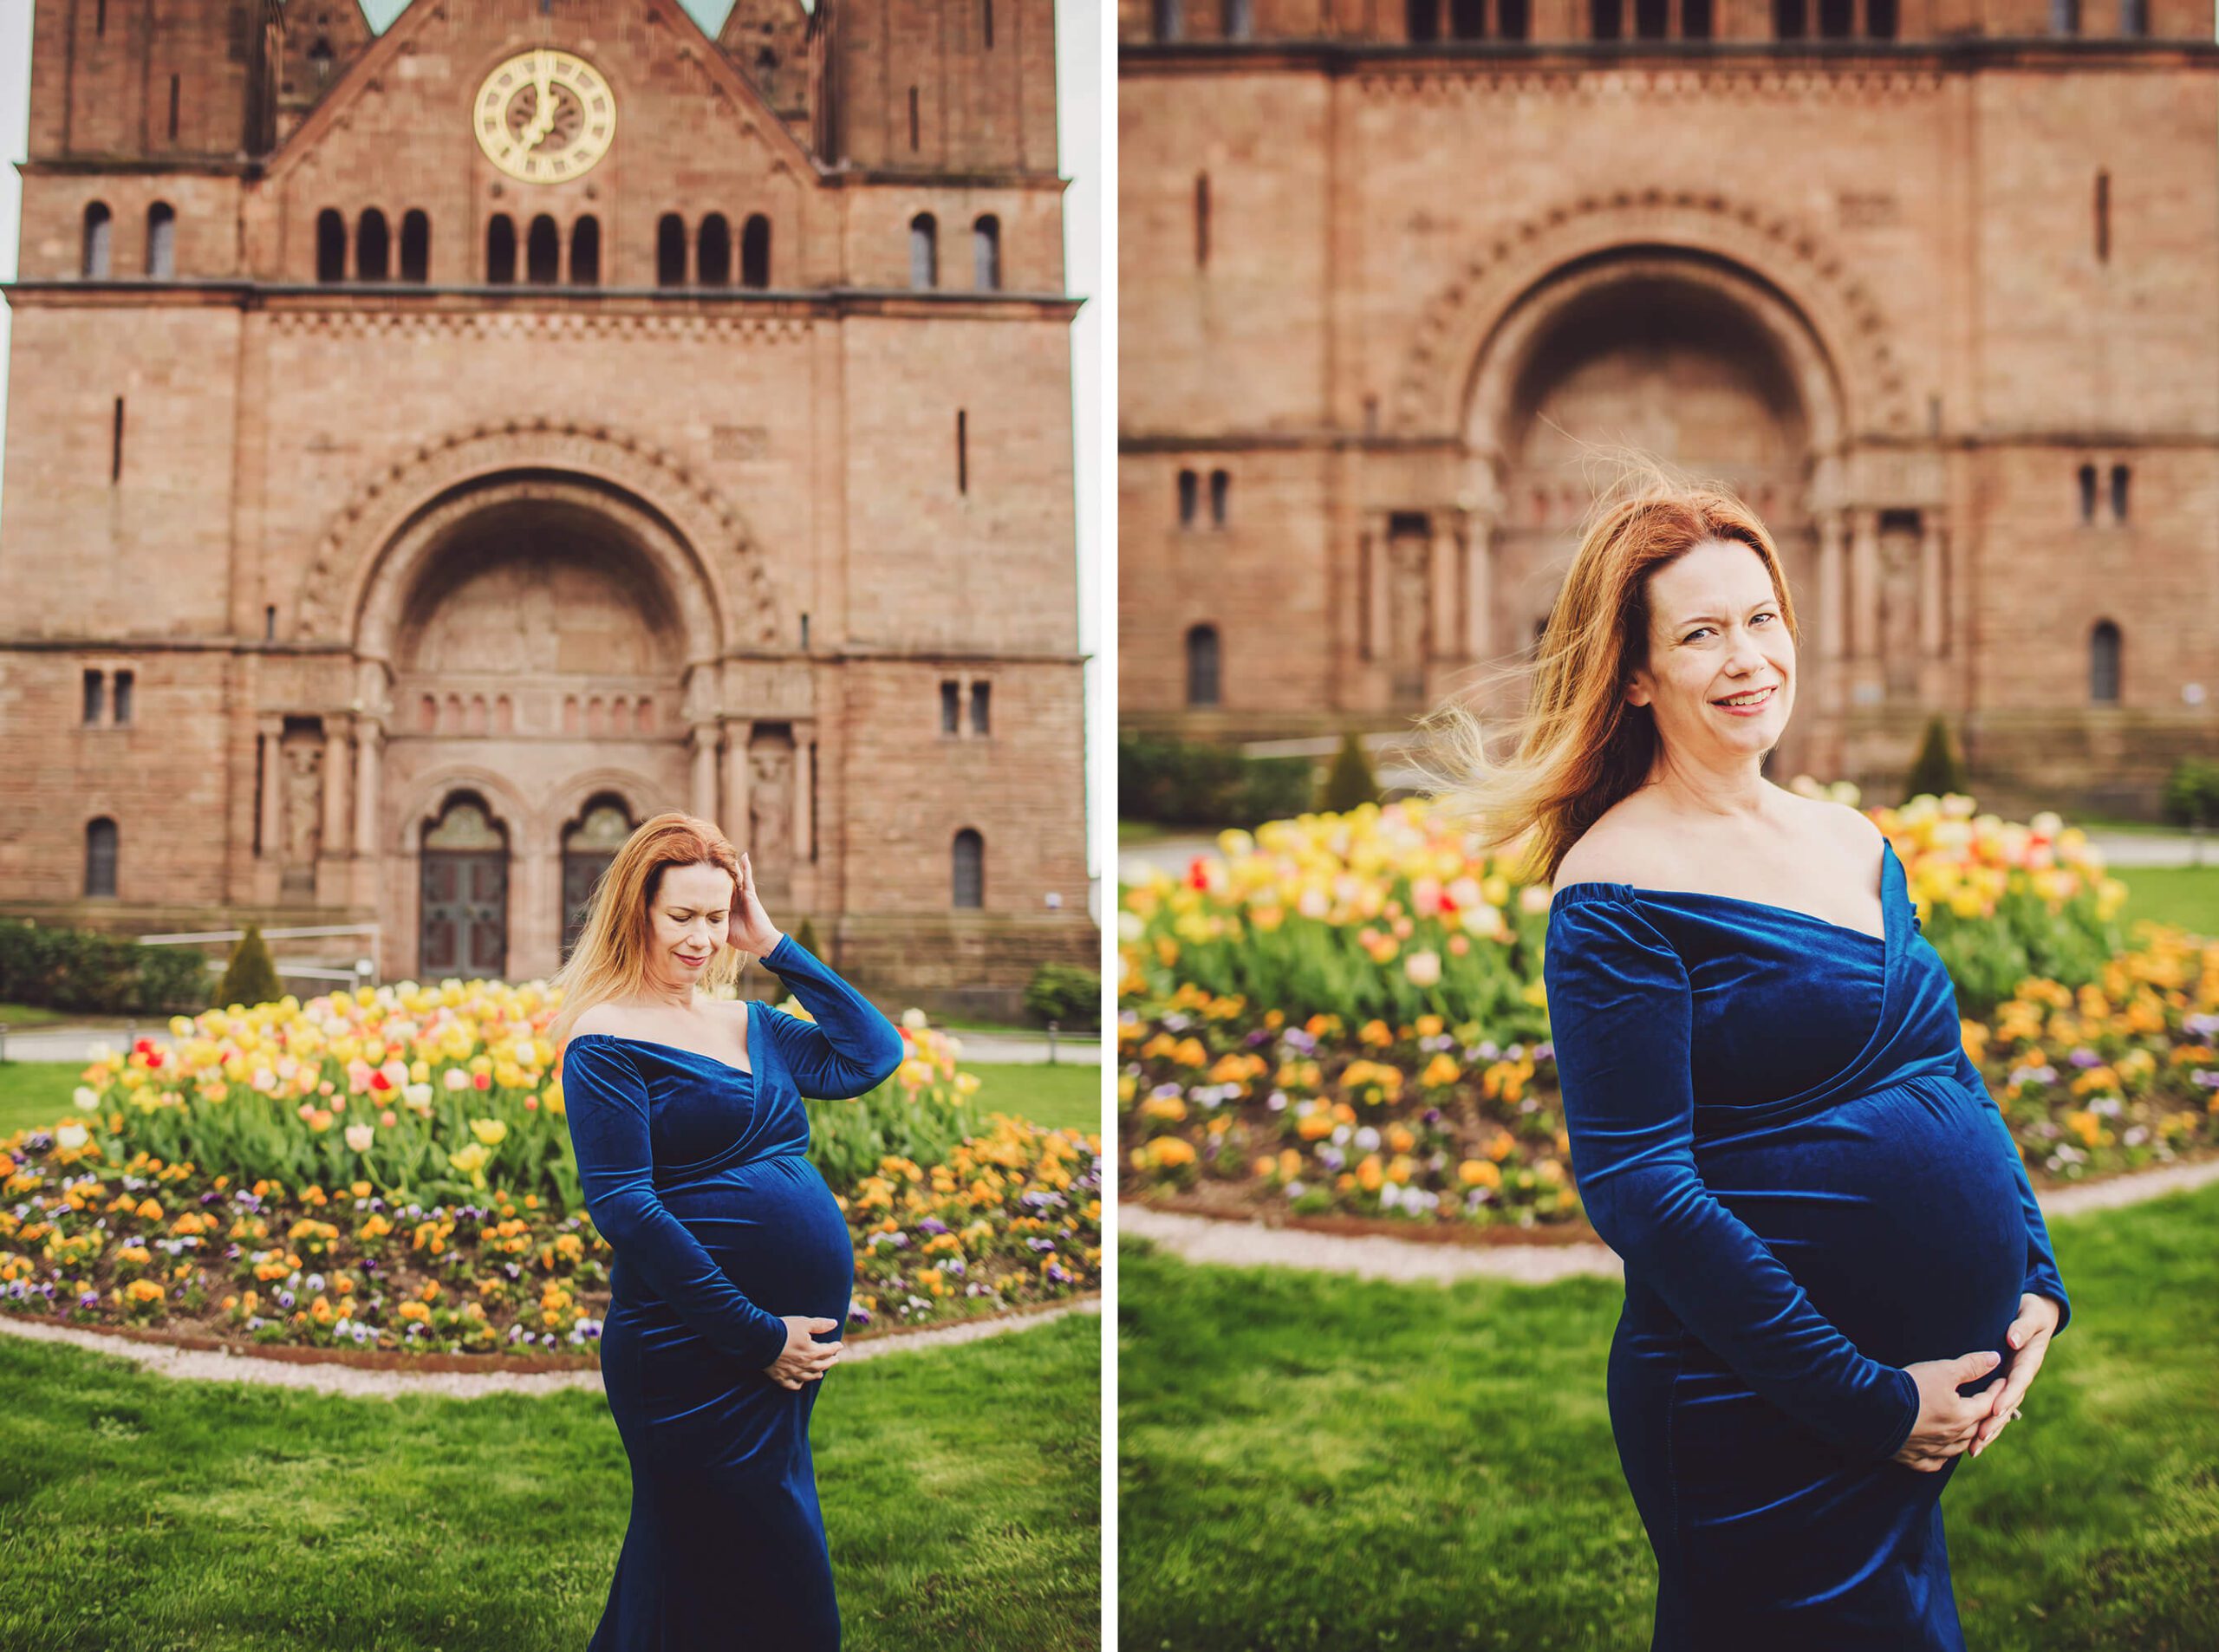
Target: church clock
<point>545,116</point>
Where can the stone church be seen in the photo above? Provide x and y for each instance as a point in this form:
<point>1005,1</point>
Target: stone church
<point>433,451</point>
<point>1934,284</point>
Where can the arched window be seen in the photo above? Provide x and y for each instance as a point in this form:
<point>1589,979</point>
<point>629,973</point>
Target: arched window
<point>1512,19</point>
<point>1837,19</point>
<point>986,253</point>
<point>970,868</point>
<point>1236,19</point>
<point>1190,496</point>
<point>2103,217</point>
<point>1170,20</point>
<point>755,252</point>
<point>1791,19</point>
<point>1422,20</point>
<point>416,248</point>
<point>924,251</point>
<point>585,252</point>
<point>2088,493</point>
<point>371,247</point>
<point>1880,19</point>
<point>501,249</point>
<point>1606,19</point>
<point>670,251</point>
<point>1467,19</point>
<point>124,680</point>
<point>330,245</point>
<point>1220,488</point>
<point>2103,663</point>
<point>161,241</point>
<point>542,252</point>
<point>715,252</point>
<point>2119,475</point>
<point>1201,220</point>
<point>604,826</point>
<point>100,857</point>
<point>97,228</point>
<point>1694,19</point>
<point>1652,19</point>
<point>1204,686</point>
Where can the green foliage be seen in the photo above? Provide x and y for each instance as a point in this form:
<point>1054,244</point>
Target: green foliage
<point>1937,769</point>
<point>1348,783</point>
<point>1184,783</point>
<point>251,976</point>
<point>85,970</point>
<point>1069,994</point>
<point>806,938</point>
<point>2191,794</point>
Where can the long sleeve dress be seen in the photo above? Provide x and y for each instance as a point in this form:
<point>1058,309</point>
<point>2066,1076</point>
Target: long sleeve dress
<point>696,1173</point>
<point>1774,1124</point>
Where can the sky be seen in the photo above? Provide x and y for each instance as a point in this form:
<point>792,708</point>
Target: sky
<point>1082,52</point>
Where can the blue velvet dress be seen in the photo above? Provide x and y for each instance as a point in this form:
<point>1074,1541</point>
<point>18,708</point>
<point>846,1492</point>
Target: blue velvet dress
<point>1774,1124</point>
<point>696,1173</point>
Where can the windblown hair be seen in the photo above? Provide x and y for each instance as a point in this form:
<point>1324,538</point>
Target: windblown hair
<point>1579,746</point>
<point>610,960</point>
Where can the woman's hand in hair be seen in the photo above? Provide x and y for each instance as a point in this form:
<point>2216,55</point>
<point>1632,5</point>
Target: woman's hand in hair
<point>750,928</point>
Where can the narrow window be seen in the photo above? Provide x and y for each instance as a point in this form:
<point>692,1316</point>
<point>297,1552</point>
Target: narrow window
<point>2103,663</point>
<point>330,245</point>
<point>986,253</point>
<point>713,252</point>
<point>115,445</point>
<point>100,19</point>
<point>1422,20</point>
<point>371,248</point>
<point>1170,20</point>
<point>501,249</point>
<point>1606,18</point>
<point>585,252</point>
<point>100,857</point>
<point>542,252</point>
<point>924,251</point>
<point>1880,19</point>
<point>1837,19</point>
<point>1652,19</point>
<point>913,118</point>
<point>97,226</point>
<point>986,23</point>
<point>962,452</point>
<point>2118,493</point>
<point>161,241</point>
<point>670,251</point>
<point>2133,17</point>
<point>755,252</point>
<point>1201,220</point>
<point>1237,19</point>
<point>174,100</point>
<point>123,699</point>
<point>1512,19</point>
<point>951,707</point>
<point>94,686</point>
<point>1189,491</point>
<point>1221,486</point>
<point>1467,19</point>
<point>1694,19</point>
<point>416,247</point>
<point>970,868</point>
<point>2103,217</point>
<point>980,692</point>
<point>1203,685</point>
<point>2088,493</point>
<point>2064,16</point>
<point>1790,19</point>
<point>269,622</point>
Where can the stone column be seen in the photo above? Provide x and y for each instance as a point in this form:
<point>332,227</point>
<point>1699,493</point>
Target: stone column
<point>1865,582</point>
<point>1375,598</point>
<point>703,743</point>
<point>338,765</point>
<point>268,737</point>
<point>738,731</point>
<point>1933,629</point>
<point>1479,588</point>
<point>805,792</point>
<point>1445,630</point>
<point>1833,601</point>
<point>369,842</point>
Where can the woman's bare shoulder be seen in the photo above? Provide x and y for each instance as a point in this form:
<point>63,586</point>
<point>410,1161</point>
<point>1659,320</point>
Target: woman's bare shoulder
<point>1617,849</point>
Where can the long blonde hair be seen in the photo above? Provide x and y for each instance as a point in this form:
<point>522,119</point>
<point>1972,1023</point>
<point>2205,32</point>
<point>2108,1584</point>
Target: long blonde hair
<point>1578,746</point>
<point>610,960</point>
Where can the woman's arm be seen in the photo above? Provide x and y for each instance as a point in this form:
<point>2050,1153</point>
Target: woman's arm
<point>1621,1011</point>
<point>606,1101</point>
<point>849,1049</point>
<point>2041,1262</point>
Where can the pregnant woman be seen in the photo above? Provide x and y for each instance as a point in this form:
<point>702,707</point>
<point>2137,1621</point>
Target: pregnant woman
<point>733,1263</point>
<point>1838,1279</point>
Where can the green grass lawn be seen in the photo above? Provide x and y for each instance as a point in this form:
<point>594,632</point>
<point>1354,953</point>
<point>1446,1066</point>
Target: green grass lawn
<point>2187,895</point>
<point>962,1489</point>
<point>1312,1461</point>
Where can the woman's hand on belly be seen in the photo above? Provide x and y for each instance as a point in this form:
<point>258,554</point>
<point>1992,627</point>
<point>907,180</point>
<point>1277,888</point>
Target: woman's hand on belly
<point>2029,1334</point>
<point>806,1359</point>
<point>1947,1419</point>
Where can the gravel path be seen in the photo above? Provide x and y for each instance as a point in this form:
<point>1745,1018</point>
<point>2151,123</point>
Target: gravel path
<point>1201,1238</point>
<point>462,1385</point>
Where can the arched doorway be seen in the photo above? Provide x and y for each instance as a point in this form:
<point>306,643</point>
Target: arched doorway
<point>463,920</point>
<point>590,844</point>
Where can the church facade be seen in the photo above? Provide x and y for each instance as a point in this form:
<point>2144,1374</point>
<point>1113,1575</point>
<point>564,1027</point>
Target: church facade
<point>1934,285</point>
<point>432,452</point>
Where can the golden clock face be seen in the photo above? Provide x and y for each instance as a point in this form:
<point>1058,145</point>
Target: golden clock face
<point>545,116</point>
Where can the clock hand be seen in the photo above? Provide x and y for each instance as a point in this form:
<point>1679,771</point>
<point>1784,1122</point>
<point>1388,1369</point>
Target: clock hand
<point>543,113</point>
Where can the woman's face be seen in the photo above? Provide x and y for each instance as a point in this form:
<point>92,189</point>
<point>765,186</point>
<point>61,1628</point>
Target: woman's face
<point>1715,633</point>
<point>692,906</point>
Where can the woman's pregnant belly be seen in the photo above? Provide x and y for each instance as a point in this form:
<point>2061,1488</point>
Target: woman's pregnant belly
<point>773,1228</point>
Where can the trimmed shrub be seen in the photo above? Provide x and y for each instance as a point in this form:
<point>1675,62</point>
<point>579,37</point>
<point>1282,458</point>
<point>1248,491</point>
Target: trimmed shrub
<point>1068,994</point>
<point>1937,769</point>
<point>1349,784</point>
<point>83,969</point>
<point>1182,782</point>
<point>2191,793</point>
<point>251,976</point>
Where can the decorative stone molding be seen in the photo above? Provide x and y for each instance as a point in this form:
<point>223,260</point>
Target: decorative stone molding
<point>351,320</point>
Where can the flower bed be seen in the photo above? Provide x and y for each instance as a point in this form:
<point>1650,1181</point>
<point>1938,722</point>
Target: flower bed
<point>391,1170</point>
